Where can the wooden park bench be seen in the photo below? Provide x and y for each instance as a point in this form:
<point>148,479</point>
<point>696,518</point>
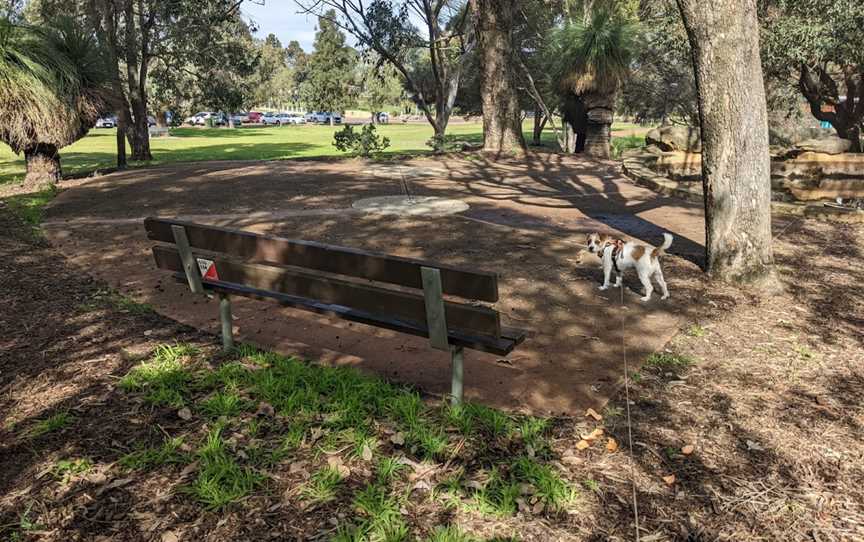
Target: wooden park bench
<point>401,294</point>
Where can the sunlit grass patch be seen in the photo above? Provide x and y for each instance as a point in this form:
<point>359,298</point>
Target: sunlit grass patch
<point>322,485</point>
<point>55,422</point>
<point>220,480</point>
<point>164,379</point>
<point>69,468</point>
<point>169,452</point>
<point>450,533</point>
<point>668,361</point>
<point>31,207</point>
<point>227,403</point>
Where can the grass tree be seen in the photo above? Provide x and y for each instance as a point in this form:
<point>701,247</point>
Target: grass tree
<point>592,58</point>
<point>52,90</point>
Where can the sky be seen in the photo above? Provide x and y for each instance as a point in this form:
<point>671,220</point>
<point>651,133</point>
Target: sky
<point>281,17</point>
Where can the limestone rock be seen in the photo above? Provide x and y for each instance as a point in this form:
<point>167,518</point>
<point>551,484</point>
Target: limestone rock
<point>675,138</point>
<point>827,145</point>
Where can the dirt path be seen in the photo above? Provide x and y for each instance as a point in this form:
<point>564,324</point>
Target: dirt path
<point>526,220</point>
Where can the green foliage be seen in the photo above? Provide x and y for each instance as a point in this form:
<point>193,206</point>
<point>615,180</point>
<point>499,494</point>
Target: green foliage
<point>450,533</point>
<point>220,480</point>
<point>322,486</point>
<point>53,83</point>
<point>594,55</point>
<point>365,143</point>
<point>168,453</point>
<point>31,207</point>
<point>668,362</point>
<point>164,378</point>
<point>53,423</point>
<point>621,144</point>
<point>223,404</point>
<point>327,86</point>
<point>68,468</point>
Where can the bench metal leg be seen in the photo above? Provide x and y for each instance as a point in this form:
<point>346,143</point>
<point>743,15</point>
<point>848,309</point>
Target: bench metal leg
<point>227,322</point>
<point>456,371</point>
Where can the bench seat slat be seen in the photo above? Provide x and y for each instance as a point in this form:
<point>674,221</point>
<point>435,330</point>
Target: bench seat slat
<point>468,319</point>
<point>332,259</point>
<point>496,345</point>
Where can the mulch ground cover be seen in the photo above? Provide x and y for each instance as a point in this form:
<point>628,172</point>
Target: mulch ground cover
<point>119,424</point>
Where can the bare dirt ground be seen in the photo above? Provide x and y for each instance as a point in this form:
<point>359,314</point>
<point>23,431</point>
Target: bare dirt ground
<point>526,221</point>
<point>771,405</point>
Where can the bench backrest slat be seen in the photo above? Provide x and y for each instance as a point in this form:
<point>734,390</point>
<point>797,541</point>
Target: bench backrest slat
<point>310,255</point>
<point>406,305</point>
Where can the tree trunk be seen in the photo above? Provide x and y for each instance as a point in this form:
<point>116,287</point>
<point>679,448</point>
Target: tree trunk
<point>43,166</point>
<point>539,123</point>
<point>502,119</point>
<point>139,136</point>
<point>736,167</point>
<point>598,137</point>
<point>121,145</point>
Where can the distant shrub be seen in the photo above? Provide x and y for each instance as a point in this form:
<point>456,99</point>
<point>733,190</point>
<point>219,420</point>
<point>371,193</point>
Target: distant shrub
<point>363,143</point>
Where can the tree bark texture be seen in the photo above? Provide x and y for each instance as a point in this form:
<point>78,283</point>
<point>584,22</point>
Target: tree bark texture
<point>43,166</point>
<point>736,168</point>
<point>502,119</point>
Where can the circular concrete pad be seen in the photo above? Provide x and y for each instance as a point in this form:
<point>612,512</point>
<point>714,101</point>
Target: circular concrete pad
<point>411,206</point>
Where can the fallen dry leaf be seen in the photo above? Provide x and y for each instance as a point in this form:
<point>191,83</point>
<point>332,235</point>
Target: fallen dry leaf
<point>184,413</point>
<point>688,449</point>
<point>169,536</point>
<point>669,479</point>
<point>366,454</point>
<point>582,444</point>
<point>398,439</point>
<point>593,413</point>
<point>594,435</point>
<point>611,444</point>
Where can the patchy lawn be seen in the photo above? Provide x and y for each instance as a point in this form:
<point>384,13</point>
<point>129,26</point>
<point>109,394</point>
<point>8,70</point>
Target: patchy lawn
<point>118,424</point>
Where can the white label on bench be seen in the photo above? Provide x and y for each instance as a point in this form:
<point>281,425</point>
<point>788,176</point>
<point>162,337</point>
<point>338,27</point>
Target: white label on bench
<point>208,269</point>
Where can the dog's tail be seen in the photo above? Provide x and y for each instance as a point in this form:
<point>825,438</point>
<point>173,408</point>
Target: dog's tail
<point>661,250</point>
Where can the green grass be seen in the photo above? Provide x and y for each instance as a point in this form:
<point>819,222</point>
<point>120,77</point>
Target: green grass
<point>323,485</point>
<point>68,468</point>
<point>168,453</point>
<point>97,150</point>
<point>668,362</point>
<point>338,412</point>
<point>164,378</point>
<point>695,330</point>
<point>621,144</point>
<point>29,207</point>
<point>450,533</point>
<point>53,423</point>
<point>221,480</point>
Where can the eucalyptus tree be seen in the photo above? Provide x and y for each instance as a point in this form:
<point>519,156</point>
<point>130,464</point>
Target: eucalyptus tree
<point>443,35</point>
<point>736,165</point>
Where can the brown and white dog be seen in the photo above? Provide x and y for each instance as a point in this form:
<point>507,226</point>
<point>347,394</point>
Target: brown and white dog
<point>620,256</point>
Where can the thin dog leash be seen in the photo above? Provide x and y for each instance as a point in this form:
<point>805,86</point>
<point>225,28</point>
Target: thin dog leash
<point>629,424</point>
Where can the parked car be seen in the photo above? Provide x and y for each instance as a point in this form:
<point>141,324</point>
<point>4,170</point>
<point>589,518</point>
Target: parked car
<point>194,118</point>
<point>239,118</point>
<point>309,117</point>
<point>383,117</point>
<point>151,120</point>
<point>270,119</point>
<point>218,118</point>
<point>296,118</point>
<point>106,122</point>
<point>323,117</point>
<point>254,116</point>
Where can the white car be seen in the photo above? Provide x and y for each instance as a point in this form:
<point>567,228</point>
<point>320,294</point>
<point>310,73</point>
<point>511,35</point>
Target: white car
<point>295,118</point>
<point>194,118</point>
<point>323,117</point>
<point>106,122</point>
<point>270,119</point>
